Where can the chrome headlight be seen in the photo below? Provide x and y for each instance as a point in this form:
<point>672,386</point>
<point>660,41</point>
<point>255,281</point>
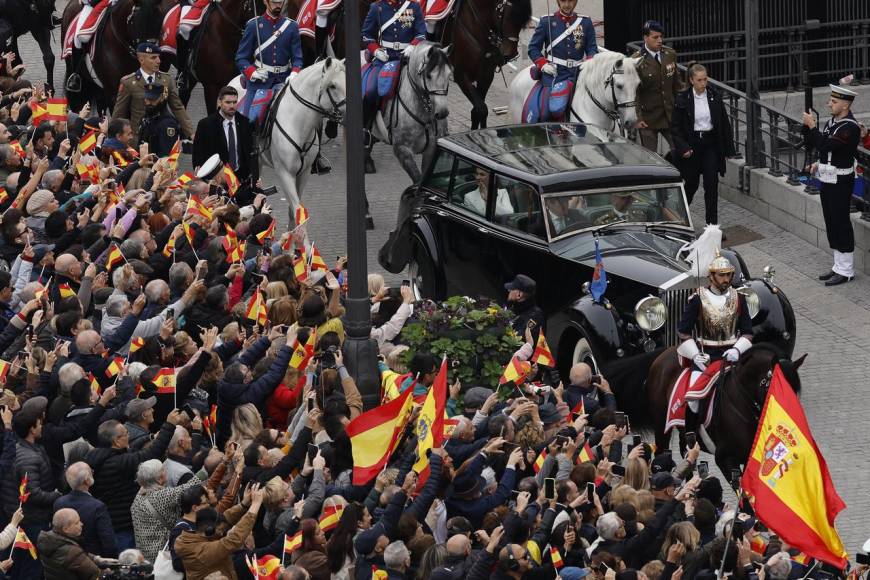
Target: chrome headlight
<point>650,313</point>
<point>752,300</point>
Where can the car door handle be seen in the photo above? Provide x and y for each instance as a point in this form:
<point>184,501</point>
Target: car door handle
<point>482,230</point>
<point>441,213</point>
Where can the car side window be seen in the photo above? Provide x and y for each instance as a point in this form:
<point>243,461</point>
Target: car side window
<point>470,184</point>
<point>518,206</point>
<point>439,178</point>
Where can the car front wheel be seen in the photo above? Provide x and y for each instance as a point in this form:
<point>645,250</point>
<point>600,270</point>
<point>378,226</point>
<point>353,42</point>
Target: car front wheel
<point>421,272</point>
<point>583,353</point>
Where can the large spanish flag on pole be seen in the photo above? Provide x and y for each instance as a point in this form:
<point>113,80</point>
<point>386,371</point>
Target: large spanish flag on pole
<point>430,423</point>
<point>374,434</point>
<point>787,478</point>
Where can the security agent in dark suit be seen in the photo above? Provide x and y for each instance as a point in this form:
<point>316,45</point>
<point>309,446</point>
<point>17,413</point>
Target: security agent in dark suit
<point>159,127</point>
<point>701,133</point>
<point>231,137</point>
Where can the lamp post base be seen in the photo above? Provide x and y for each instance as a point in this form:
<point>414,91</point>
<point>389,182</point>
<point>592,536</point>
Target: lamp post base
<point>361,360</point>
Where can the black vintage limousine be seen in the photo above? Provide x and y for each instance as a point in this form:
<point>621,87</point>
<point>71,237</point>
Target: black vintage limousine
<point>558,188</point>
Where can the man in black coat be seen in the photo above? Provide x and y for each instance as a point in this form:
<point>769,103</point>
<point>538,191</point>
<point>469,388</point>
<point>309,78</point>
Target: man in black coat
<point>97,537</point>
<point>521,299</point>
<point>231,137</point>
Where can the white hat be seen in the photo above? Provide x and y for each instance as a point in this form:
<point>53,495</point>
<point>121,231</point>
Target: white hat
<point>210,168</point>
<point>839,92</point>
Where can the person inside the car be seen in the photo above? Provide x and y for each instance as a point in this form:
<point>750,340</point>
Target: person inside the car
<point>622,210</point>
<point>562,217</point>
<point>476,200</point>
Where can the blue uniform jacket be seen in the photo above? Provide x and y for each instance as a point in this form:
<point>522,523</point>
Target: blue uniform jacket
<point>285,50</point>
<point>408,28</point>
<point>549,29</point>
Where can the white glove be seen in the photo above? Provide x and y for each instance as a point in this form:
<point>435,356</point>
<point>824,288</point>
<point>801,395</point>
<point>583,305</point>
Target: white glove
<point>260,75</point>
<point>701,360</point>
<point>549,69</point>
<point>408,50</point>
<point>731,355</point>
<point>381,55</point>
<point>293,74</point>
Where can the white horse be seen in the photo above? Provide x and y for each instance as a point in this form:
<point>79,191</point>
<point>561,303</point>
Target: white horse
<point>318,91</point>
<point>415,116</point>
<point>604,95</point>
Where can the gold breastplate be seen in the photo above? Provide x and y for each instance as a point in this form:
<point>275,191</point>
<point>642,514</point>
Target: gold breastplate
<point>718,319</point>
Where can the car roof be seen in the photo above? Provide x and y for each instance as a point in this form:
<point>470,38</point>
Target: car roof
<point>550,149</point>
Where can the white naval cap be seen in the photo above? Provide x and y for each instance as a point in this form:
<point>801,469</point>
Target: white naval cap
<point>843,93</point>
<point>210,168</point>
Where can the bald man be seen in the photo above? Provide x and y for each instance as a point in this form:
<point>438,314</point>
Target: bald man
<point>458,562</point>
<point>68,271</point>
<point>98,537</point>
<point>593,390</point>
<point>89,355</point>
<point>59,550</point>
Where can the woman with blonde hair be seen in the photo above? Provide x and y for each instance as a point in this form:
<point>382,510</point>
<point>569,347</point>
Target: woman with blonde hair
<point>623,494</point>
<point>247,424</point>
<point>283,310</point>
<point>685,533</point>
<point>646,506</point>
<point>275,290</point>
<point>636,473</point>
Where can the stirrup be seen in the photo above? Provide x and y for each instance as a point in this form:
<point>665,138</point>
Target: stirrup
<point>321,165</point>
<point>74,83</point>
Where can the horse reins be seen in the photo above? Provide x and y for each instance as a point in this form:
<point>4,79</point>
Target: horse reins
<point>425,96</point>
<point>494,33</point>
<point>612,114</point>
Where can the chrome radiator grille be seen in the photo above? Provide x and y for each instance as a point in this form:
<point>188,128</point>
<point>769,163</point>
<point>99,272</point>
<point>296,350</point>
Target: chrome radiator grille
<point>675,302</point>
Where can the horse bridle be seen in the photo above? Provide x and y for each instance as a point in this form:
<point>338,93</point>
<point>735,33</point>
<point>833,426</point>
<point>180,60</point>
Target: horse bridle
<point>425,95</point>
<point>495,35</point>
<point>612,114</point>
<point>334,115</point>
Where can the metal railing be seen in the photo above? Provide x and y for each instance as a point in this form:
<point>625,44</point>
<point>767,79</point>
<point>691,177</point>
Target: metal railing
<point>829,50</point>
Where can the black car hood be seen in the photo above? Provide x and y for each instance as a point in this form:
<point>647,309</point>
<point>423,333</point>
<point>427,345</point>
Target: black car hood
<point>644,257</point>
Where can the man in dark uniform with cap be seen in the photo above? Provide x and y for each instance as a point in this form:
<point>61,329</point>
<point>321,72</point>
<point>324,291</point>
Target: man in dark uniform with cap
<point>159,128</point>
<point>521,299</point>
<point>130,103</point>
<point>836,146</point>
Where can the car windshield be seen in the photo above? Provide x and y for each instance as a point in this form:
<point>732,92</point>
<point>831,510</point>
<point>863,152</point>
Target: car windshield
<point>568,213</point>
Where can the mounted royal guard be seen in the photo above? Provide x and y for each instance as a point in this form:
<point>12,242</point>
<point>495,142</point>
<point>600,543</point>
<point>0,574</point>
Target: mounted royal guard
<point>560,44</point>
<point>715,326</point>
<point>390,29</point>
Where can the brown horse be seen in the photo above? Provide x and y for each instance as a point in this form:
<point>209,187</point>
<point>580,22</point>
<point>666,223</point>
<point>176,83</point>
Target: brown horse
<point>739,397</point>
<point>127,23</point>
<point>484,36</point>
<point>214,48</point>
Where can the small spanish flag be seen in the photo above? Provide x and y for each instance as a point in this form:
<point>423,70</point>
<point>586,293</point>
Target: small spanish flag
<point>292,544</point>
<point>212,415</point>
<point>303,353</point>
<point>378,574</point>
<point>196,207</point>
<point>137,343</point>
<point>38,113</point>
<point>580,407</point>
<point>16,146</point>
<point>120,160</point>
<point>65,291</point>
<point>115,367</point>
<point>95,384</point>
<point>758,544</point>
<point>182,180</point>
<point>88,142</point>
<point>539,461</point>
<point>173,155</point>
<point>23,494</point>
<point>23,542</point>
<point>231,245</point>
<point>4,370</point>
<point>115,257</point>
<point>330,517</point>
<point>586,454</point>
<point>56,108</point>
<point>188,232</point>
<point>268,233</point>
<point>4,197</point>
<point>543,355</point>
<point>231,179</point>
<point>300,268</point>
<point>515,371</point>
<point>256,310</point>
<point>556,557</point>
<point>301,215</point>
<point>164,380</point>
<point>170,247</point>
<point>268,568</point>
<point>317,262</point>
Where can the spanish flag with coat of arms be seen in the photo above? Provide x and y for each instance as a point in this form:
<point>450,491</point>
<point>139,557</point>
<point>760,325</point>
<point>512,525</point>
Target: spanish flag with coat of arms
<point>430,423</point>
<point>787,478</point>
<point>375,434</point>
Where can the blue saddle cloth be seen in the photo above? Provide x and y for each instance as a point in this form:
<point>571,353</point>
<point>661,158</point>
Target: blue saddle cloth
<point>379,80</point>
<point>546,104</point>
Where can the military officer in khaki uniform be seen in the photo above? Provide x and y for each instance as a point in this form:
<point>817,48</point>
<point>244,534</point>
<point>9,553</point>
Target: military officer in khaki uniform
<point>130,103</point>
<point>659,84</point>
<point>621,210</point>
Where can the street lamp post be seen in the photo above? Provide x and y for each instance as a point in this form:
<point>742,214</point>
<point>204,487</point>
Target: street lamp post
<point>360,351</point>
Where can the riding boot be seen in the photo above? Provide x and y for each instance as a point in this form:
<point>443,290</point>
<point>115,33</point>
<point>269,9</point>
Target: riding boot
<point>368,138</point>
<point>74,81</point>
<point>370,222</point>
<point>321,165</point>
<point>321,35</point>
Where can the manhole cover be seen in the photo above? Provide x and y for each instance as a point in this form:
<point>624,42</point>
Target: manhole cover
<point>739,235</point>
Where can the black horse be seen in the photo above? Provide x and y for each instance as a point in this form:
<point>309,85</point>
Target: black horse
<point>24,17</point>
<point>739,396</point>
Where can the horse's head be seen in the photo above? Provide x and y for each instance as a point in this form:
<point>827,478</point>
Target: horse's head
<point>612,80</point>
<point>145,20</point>
<point>333,96</point>
<point>511,17</point>
<point>431,72</point>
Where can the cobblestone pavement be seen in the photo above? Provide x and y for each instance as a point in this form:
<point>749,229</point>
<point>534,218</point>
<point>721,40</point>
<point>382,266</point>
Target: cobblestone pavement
<point>833,324</point>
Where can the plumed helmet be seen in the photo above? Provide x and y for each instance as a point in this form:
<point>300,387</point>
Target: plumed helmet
<point>721,265</point>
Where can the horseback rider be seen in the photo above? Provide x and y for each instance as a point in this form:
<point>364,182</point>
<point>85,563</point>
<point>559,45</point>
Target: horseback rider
<point>560,44</point>
<point>81,36</point>
<point>390,29</point>
<point>718,316</point>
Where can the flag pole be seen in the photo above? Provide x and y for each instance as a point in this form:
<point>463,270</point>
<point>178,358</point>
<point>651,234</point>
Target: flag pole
<point>730,533</point>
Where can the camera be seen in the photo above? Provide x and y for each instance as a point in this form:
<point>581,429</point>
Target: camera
<point>269,190</point>
<point>327,357</point>
<point>113,570</point>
